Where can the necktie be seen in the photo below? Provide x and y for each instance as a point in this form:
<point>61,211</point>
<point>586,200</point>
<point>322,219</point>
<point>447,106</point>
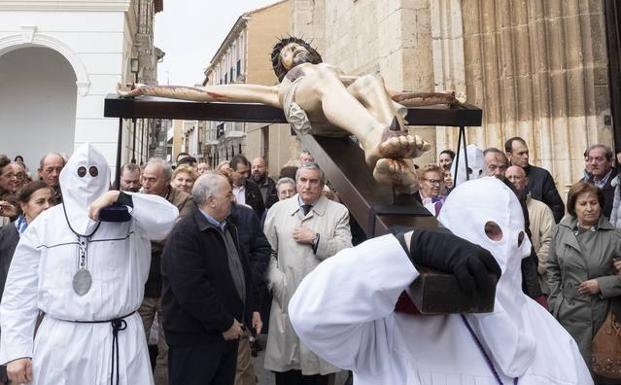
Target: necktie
<point>306,208</point>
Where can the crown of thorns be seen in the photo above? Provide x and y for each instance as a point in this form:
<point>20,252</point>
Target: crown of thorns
<point>277,65</point>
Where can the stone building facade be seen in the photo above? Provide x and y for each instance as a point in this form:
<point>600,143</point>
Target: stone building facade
<point>58,61</point>
<point>537,68</point>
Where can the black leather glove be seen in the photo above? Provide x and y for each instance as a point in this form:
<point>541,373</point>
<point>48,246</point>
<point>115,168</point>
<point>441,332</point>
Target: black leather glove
<point>443,251</point>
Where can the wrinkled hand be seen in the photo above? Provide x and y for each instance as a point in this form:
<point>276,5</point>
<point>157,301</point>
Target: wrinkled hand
<point>446,252</point>
<point>234,332</point>
<point>303,234</point>
<point>107,199</point>
<point>257,323</point>
<point>7,209</point>
<point>20,371</point>
<point>617,265</point>
<point>589,287</point>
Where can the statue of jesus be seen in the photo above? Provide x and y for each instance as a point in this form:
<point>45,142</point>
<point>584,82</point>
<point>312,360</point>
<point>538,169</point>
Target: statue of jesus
<point>317,97</point>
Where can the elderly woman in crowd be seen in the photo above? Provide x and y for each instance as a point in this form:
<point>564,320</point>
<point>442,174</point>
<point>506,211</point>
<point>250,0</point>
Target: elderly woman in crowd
<point>183,178</point>
<point>33,198</point>
<point>285,188</point>
<point>581,274</point>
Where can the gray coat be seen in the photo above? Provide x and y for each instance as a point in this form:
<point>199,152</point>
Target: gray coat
<point>292,262</point>
<point>568,265</point>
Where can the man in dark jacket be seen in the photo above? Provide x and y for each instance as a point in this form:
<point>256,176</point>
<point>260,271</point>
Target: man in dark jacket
<point>207,289</point>
<point>540,183</point>
<point>246,192</point>
<point>601,174</point>
<point>267,186</point>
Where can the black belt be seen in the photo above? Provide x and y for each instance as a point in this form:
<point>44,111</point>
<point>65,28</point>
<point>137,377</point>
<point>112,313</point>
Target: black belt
<point>118,324</point>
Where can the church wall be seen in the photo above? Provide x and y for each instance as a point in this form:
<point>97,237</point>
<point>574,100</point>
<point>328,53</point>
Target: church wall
<point>391,38</point>
<point>538,69</point>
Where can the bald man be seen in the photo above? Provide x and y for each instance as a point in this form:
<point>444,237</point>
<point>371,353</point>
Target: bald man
<point>50,167</point>
<point>266,184</point>
<point>541,222</point>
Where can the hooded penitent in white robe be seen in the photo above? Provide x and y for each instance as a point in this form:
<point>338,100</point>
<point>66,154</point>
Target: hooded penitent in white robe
<point>41,279</point>
<point>344,311</point>
<point>476,164</point>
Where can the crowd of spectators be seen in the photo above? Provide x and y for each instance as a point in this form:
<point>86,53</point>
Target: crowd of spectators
<point>244,241</point>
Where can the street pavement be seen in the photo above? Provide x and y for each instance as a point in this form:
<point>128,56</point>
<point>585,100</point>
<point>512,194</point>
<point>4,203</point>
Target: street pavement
<point>266,377</point>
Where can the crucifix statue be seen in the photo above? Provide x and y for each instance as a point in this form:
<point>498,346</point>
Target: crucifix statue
<point>318,98</point>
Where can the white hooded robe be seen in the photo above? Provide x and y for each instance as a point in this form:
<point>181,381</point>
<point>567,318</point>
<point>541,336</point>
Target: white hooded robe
<point>41,275</point>
<point>344,311</point>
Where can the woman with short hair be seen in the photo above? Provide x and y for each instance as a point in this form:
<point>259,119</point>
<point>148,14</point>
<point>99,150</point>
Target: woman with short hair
<point>183,178</point>
<point>581,274</point>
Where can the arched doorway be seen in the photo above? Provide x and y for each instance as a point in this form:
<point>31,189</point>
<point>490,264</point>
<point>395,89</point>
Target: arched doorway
<point>38,95</point>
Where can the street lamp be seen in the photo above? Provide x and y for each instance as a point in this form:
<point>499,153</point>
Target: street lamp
<point>134,68</point>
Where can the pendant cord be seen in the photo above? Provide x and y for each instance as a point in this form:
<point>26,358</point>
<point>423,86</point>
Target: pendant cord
<point>488,360</point>
<point>75,232</point>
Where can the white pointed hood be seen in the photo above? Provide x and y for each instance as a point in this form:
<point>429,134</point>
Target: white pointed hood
<point>467,209</point>
<point>85,177</point>
<point>476,164</point>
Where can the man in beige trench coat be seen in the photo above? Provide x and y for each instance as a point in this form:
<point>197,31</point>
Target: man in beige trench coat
<point>303,230</point>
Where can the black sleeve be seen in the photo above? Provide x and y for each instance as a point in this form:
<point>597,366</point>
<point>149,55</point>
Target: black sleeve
<point>254,198</point>
<point>552,198</point>
<point>260,251</point>
<point>271,198</point>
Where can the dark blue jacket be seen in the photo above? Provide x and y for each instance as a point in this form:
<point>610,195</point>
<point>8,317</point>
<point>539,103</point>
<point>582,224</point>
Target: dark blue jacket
<point>199,297</point>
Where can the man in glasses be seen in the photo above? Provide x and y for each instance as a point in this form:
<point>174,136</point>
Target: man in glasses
<point>430,191</point>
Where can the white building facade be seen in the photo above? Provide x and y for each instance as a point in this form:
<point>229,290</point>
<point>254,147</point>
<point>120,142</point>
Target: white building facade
<point>58,61</point>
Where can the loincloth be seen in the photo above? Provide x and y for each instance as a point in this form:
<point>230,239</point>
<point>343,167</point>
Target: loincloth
<point>298,119</point>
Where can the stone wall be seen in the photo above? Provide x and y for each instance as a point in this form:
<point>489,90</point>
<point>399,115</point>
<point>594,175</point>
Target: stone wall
<point>392,38</point>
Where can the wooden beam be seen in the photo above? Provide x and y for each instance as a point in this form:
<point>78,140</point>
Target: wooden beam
<point>160,108</point>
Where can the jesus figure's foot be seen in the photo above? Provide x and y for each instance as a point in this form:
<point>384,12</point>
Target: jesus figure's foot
<point>393,144</point>
<point>396,172</point>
